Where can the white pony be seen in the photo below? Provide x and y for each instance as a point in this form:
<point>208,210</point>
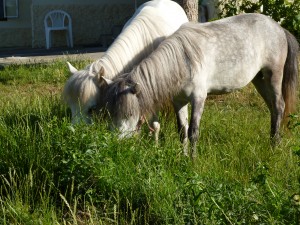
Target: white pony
<point>149,26</point>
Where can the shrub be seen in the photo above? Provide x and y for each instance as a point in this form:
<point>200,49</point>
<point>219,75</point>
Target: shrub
<point>286,12</point>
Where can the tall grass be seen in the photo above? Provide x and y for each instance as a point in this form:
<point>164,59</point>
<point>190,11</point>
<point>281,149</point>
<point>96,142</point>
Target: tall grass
<point>54,173</point>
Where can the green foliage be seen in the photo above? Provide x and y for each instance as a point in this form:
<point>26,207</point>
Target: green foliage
<point>283,11</point>
<point>52,172</point>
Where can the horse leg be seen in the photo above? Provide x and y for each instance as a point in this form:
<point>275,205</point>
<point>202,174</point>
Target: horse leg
<point>268,84</point>
<point>262,88</point>
<point>182,125</point>
<point>156,127</point>
<point>278,105</point>
<point>193,131</point>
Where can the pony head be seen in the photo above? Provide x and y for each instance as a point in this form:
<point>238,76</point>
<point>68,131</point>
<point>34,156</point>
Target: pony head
<point>123,106</point>
<point>82,93</point>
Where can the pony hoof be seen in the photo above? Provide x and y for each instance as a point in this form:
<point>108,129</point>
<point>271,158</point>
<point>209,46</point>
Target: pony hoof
<point>194,155</point>
<point>186,154</point>
<point>156,127</point>
<point>275,141</point>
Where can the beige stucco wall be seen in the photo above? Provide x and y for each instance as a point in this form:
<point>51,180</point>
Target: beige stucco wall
<point>16,32</point>
<point>91,18</point>
<point>89,21</point>
<point>15,37</point>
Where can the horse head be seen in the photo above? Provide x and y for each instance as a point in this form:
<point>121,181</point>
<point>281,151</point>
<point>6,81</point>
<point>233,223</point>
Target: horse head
<point>82,93</point>
<point>123,106</point>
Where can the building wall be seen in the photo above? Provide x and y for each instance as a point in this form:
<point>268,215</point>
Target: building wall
<point>89,22</point>
<point>16,32</point>
<point>90,18</point>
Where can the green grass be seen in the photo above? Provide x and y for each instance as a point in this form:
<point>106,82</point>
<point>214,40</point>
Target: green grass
<point>54,173</point>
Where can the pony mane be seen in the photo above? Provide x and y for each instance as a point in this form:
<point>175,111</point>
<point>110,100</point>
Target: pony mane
<point>135,43</point>
<point>160,74</point>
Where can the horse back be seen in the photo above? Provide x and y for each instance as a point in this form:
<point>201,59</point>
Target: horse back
<point>235,49</point>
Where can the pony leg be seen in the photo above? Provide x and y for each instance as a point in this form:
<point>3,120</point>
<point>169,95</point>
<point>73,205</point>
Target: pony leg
<point>268,85</point>
<point>182,125</point>
<point>278,106</point>
<point>156,127</point>
<point>193,131</point>
<point>262,88</point>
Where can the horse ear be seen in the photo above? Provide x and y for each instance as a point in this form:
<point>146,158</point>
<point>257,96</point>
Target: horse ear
<point>136,88</point>
<point>72,68</point>
<point>102,81</point>
<point>105,80</point>
<point>101,71</point>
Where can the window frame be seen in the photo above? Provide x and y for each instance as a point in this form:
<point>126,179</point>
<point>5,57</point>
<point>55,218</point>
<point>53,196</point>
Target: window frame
<point>15,4</point>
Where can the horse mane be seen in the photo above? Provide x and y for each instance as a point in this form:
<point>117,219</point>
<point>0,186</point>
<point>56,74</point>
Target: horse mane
<point>136,41</point>
<point>160,75</point>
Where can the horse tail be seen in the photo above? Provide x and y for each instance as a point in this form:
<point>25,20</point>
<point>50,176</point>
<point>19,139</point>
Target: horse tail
<point>290,75</point>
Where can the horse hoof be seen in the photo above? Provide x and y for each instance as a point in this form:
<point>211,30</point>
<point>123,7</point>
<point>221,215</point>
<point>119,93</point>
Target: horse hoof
<point>185,153</point>
<point>194,155</point>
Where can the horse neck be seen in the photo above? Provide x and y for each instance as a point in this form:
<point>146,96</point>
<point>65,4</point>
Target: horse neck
<point>159,82</point>
<point>134,43</point>
<point>162,73</point>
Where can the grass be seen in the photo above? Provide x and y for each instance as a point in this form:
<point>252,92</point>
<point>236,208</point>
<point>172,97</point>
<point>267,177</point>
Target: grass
<point>54,173</point>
